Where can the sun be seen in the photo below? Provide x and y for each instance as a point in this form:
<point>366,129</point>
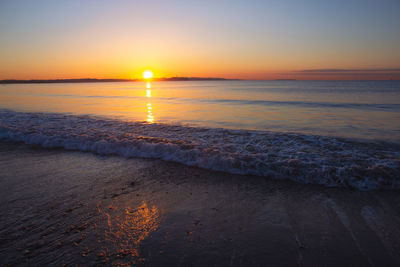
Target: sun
<point>148,74</point>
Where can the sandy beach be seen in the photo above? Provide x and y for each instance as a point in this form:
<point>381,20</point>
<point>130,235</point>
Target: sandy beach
<point>64,208</point>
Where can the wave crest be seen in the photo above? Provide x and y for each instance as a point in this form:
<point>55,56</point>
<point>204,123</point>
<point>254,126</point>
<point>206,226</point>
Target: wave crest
<point>303,158</point>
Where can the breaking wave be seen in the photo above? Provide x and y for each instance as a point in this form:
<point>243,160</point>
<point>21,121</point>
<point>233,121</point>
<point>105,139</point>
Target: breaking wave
<point>307,159</point>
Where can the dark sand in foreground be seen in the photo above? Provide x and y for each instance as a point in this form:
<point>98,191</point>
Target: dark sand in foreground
<point>59,207</point>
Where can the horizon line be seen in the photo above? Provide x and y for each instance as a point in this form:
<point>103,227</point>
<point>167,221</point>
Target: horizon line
<point>174,78</point>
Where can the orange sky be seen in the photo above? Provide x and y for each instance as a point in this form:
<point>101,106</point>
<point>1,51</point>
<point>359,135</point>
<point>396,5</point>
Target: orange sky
<point>231,39</point>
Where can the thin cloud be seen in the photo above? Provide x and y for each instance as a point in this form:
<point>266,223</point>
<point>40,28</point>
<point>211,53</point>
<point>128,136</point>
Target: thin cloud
<point>325,71</point>
<point>375,73</point>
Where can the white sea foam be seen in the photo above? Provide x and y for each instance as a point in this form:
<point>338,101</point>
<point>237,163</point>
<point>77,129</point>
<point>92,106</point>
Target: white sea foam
<point>302,158</point>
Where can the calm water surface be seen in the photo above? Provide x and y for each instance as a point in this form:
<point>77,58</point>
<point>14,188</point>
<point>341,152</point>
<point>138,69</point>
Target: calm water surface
<point>355,109</point>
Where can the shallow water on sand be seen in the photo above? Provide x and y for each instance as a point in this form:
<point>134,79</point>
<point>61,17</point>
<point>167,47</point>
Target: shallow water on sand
<point>60,207</point>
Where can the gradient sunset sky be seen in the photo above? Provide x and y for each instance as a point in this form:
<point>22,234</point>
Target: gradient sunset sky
<point>232,39</point>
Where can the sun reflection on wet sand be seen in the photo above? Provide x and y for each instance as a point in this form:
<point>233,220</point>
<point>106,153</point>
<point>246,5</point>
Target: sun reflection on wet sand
<point>126,229</point>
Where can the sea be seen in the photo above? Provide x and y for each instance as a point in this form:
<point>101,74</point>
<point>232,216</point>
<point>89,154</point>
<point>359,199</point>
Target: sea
<point>332,133</point>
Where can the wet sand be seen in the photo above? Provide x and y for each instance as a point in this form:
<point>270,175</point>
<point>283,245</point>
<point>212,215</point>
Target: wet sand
<point>62,207</point>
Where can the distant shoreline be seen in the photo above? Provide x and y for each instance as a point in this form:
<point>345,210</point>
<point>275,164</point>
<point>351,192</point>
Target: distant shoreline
<point>94,80</point>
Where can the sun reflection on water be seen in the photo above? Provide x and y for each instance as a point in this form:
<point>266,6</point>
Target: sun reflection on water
<point>150,117</point>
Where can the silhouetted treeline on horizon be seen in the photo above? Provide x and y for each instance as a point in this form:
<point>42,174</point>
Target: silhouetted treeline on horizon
<point>93,80</point>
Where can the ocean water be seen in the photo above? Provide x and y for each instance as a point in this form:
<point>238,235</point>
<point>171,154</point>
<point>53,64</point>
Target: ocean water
<point>335,133</point>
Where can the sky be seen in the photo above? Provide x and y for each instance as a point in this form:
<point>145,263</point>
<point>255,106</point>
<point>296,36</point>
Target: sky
<point>282,39</point>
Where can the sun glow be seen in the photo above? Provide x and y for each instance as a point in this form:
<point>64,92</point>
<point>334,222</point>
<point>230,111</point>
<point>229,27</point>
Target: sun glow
<point>148,74</point>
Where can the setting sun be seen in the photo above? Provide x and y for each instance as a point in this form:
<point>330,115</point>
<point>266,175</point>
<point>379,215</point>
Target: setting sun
<point>148,74</point>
